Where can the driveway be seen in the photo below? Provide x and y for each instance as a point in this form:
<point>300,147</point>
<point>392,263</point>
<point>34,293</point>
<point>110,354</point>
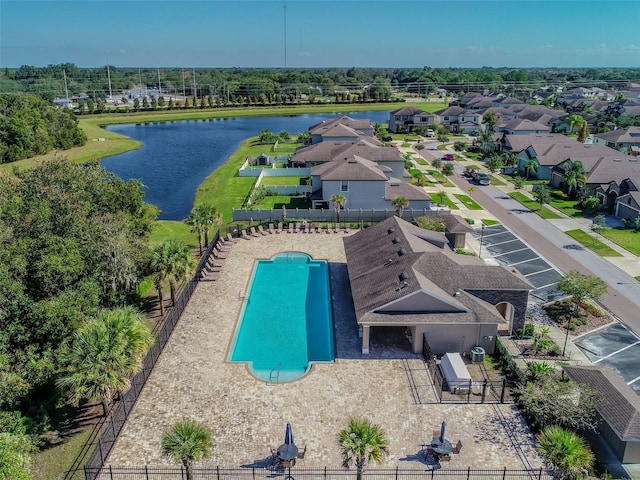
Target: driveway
<point>623,296</point>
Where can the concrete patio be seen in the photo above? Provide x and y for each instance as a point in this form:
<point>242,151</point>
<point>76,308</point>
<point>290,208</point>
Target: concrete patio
<point>193,379</point>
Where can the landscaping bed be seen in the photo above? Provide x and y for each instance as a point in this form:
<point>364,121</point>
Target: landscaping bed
<point>586,318</point>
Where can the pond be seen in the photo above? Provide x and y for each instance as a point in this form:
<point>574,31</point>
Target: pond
<point>176,157</point>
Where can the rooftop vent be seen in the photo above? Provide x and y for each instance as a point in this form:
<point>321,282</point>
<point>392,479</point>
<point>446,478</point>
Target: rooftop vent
<point>617,159</point>
<point>391,230</point>
<point>396,240</point>
<point>388,261</point>
<point>402,252</point>
<point>403,276</point>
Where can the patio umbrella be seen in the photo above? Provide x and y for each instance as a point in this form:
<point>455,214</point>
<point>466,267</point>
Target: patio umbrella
<point>284,212</point>
<point>442,430</point>
<point>288,435</point>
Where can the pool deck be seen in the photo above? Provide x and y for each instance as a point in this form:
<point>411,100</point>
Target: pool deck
<point>192,379</point>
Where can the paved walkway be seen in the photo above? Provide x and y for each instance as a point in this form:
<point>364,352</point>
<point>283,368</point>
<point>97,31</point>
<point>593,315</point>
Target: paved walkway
<point>193,379</point>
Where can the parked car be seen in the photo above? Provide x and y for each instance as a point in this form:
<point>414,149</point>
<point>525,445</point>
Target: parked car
<point>482,178</point>
<point>449,157</point>
<point>430,133</point>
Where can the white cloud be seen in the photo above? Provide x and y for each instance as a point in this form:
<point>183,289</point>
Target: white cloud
<point>631,47</point>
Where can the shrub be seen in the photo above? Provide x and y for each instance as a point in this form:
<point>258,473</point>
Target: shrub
<point>419,146</point>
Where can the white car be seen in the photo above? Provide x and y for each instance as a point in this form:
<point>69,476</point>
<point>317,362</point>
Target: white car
<point>430,133</point>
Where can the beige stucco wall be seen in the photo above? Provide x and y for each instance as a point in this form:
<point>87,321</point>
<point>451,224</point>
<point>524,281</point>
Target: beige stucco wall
<point>445,338</point>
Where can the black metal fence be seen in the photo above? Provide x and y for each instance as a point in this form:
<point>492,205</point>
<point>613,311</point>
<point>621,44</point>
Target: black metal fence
<point>329,215</point>
<point>105,433</point>
<point>153,473</point>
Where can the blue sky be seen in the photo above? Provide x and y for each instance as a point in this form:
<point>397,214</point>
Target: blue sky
<point>328,33</point>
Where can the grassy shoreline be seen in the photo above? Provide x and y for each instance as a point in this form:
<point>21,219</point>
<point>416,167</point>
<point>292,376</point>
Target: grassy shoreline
<point>102,143</point>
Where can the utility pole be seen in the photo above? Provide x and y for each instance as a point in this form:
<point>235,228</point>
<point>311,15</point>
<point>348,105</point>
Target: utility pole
<point>159,85</point>
<point>66,89</point>
<point>109,77</point>
<point>184,92</point>
<point>195,85</point>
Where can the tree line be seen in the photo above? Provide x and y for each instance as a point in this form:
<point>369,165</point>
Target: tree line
<point>55,80</point>
<point>74,247</point>
<point>31,126</point>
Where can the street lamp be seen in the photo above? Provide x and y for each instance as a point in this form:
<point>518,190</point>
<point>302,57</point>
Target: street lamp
<point>481,239</point>
<point>572,308</point>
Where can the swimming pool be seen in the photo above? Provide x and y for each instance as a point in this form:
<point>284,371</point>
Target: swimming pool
<point>286,323</point>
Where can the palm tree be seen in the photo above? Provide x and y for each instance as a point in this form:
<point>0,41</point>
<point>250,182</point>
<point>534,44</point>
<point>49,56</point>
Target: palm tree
<point>210,217</point>
<point>531,165</point>
<point>172,260</point>
<point>197,221</point>
<point>567,452</point>
<point>186,442</point>
<point>103,355</point>
<point>362,442</point>
<point>485,141</point>
<point>338,201</point>
<point>574,175</point>
<point>400,203</point>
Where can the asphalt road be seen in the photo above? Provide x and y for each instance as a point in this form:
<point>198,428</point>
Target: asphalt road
<point>623,294</point>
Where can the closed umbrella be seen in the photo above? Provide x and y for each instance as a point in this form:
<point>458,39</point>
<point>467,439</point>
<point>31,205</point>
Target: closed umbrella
<point>442,430</point>
<point>288,450</point>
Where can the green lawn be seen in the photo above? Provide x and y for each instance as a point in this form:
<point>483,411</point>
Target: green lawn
<point>490,221</point>
<point>440,178</point>
<point>627,238</point>
<point>52,463</point>
<point>166,229</point>
<point>533,205</point>
<point>467,201</point>
<point>562,202</point>
<point>443,199</point>
<point>496,181</point>
<point>277,202</point>
<point>591,243</point>
<point>420,160</point>
<point>288,181</point>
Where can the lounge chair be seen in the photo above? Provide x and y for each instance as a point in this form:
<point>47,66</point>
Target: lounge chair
<point>220,255</point>
<point>272,228</point>
<point>297,230</point>
<point>254,233</point>
<point>337,228</point>
<point>290,228</point>
<point>261,230</point>
<point>347,228</point>
<point>279,230</point>
<point>244,235</point>
<point>230,238</point>
<point>458,447</point>
<point>307,227</point>
<point>301,454</point>
<point>318,228</point>
<point>329,227</point>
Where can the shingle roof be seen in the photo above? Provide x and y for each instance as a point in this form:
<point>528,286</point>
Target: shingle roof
<point>456,224</point>
<point>524,124</point>
<point>351,167</point>
<point>364,147</point>
<point>614,168</point>
<point>409,111</point>
<point>396,188</point>
<point>621,405</point>
<point>353,123</point>
<point>451,111</point>
<point>621,135</point>
<point>395,263</point>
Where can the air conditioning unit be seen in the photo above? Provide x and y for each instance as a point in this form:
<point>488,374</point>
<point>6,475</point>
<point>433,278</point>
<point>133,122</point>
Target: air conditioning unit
<point>477,354</point>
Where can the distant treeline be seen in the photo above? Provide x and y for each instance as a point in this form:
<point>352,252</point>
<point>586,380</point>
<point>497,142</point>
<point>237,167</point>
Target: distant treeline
<point>95,83</point>
<point>29,126</point>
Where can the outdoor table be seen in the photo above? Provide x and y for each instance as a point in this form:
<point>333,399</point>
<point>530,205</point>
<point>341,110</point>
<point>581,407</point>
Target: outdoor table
<point>287,452</point>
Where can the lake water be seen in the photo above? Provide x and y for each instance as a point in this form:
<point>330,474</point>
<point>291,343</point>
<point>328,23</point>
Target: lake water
<point>176,157</point>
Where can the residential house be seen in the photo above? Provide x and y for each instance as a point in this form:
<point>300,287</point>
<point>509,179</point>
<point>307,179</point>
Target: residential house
<point>622,139</point>
<point>459,120</point>
<point>365,147</point>
<point>521,126</point>
<point>547,150</point>
<point>364,183</point>
<point>342,129</point>
<point>619,412</point>
<point>406,119</point>
<point>408,278</point>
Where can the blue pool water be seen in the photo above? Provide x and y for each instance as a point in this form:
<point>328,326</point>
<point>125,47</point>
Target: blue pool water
<point>286,322</point>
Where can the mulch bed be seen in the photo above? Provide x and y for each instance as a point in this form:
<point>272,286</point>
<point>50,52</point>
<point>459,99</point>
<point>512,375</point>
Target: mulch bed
<point>588,316</point>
